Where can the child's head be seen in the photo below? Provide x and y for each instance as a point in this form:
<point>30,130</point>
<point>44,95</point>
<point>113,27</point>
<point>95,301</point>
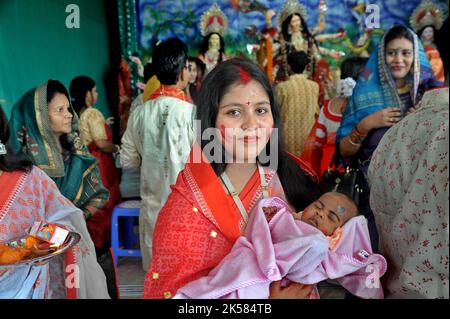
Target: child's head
<point>352,67</point>
<point>331,211</point>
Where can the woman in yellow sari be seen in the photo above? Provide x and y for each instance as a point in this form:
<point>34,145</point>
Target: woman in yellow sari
<point>97,136</point>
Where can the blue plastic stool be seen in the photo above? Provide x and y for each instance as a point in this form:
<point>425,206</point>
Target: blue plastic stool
<point>128,210</point>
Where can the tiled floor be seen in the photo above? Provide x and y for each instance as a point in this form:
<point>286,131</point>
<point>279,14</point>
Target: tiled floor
<point>131,277</point>
<point>131,281</point>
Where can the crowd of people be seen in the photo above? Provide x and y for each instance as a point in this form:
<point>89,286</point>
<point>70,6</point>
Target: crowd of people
<point>226,161</point>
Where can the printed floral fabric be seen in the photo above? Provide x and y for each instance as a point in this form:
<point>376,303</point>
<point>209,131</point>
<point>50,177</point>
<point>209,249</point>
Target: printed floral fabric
<point>409,180</point>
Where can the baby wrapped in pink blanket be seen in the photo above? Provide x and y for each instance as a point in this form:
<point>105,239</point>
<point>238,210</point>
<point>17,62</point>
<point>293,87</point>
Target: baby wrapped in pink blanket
<point>323,242</point>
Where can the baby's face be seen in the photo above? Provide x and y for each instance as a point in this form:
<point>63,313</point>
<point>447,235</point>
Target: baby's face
<point>330,211</point>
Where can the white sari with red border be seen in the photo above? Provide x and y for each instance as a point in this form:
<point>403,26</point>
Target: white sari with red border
<point>33,196</point>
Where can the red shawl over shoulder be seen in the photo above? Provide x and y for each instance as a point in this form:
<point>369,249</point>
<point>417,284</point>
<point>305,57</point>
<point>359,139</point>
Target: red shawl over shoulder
<point>195,229</point>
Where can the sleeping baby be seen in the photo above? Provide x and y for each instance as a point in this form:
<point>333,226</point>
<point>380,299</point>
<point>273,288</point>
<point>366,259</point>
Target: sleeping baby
<point>327,240</point>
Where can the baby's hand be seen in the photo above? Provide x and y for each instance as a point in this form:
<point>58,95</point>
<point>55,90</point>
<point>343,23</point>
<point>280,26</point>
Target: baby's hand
<point>292,291</point>
<point>297,216</point>
<point>270,211</point>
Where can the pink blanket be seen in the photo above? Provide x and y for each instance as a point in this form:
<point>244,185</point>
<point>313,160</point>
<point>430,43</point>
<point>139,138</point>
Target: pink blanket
<point>288,248</point>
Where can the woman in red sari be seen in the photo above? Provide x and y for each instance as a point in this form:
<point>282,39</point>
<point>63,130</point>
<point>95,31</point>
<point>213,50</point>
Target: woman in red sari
<point>239,160</point>
<point>97,136</point>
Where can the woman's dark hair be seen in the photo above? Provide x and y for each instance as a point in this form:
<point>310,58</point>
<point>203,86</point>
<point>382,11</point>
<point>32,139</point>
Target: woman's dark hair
<point>53,87</point>
<point>10,161</point>
<point>201,67</point>
<point>299,188</point>
<point>205,45</point>
<point>169,59</point>
<point>79,87</point>
<point>287,22</point>
<point>352,67</point>
<point>398,32</point>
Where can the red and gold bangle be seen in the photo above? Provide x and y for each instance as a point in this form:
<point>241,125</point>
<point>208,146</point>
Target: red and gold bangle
<point>357,136</point>
<point>358,132</point>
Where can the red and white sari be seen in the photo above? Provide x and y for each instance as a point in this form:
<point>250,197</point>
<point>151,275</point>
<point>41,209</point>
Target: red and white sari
<point>33,196</point>
<point>198,226</point>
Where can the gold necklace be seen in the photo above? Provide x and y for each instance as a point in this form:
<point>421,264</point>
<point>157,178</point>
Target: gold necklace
<point>298,41</point>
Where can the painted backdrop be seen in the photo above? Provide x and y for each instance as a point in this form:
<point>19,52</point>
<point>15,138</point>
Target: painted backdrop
<point>161,19</point>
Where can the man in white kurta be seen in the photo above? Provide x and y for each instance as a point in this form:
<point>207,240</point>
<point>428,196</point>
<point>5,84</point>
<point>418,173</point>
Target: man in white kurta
<point>158,138</point>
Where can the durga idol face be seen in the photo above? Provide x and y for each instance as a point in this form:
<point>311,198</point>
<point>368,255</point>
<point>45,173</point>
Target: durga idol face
<point>427,35</point>
<point>214,42</point>
<point>296,24</point>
